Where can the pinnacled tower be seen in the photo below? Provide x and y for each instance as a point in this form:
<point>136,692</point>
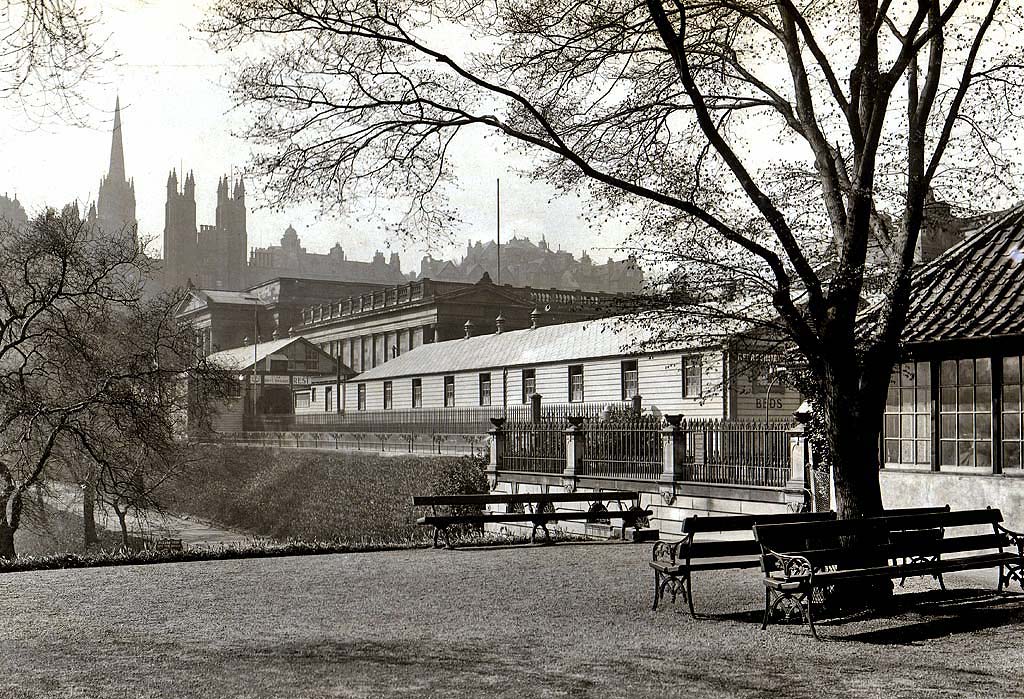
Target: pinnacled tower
<point>180,237</point>
<point>115,206</point>
<point>231,228</point>
<point>222,248</point>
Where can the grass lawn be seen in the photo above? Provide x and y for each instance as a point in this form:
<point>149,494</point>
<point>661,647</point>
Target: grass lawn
<point>566,620</point>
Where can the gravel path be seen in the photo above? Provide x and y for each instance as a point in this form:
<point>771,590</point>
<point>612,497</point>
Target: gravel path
<point>570,620</point>
<point>191,531</point>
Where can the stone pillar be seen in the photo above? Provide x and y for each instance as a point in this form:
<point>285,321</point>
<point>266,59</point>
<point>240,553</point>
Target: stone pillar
<point>673,454</point>
<point>497,439</point>
<point>535,407</point>
<point>575,445</point>
<point>796,485</point>
<point>637,405</point>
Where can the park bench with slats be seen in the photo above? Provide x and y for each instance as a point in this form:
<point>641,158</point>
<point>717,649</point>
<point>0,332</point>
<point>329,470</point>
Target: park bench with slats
<point>538,510</point>
<point>800,558</point>
<point>674,562</point>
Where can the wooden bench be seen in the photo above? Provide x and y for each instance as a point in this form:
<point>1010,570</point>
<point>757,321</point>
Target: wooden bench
<point>537,509</point>
<point>799,558</point>
<point>673,562</point>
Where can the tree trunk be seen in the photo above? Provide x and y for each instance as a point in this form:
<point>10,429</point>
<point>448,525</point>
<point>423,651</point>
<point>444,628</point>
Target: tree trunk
<point>10,518</point>
<point>852,435</point>
<point>7,542</point>
<point>122,518</point>
<point>89,535</point>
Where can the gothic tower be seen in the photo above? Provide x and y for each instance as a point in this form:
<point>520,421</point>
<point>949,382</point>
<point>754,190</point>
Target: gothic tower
<point>180,251</point>
<point>231,226</point>
<point>221,255</point>
<point>115,206</point>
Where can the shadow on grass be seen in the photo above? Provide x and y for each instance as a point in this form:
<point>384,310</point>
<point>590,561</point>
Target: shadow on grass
<point>932,614</point>
<point>940,614</point>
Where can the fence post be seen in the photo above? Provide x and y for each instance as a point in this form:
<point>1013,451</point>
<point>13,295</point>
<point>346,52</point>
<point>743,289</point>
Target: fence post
<point>497,435</point>
<point>535,407</point>
<point>700,430</point>
<point>673,455</point>
<point>575,444</point>
<point>638,405</point>
<point>796,485</point>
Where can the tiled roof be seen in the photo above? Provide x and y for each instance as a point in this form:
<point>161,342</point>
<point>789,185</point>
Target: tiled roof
<point>239,358</point>
<point>973,290</point>
<point>553,343</point>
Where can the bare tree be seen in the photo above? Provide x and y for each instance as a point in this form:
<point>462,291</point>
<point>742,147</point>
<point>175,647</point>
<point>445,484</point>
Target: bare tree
<point>48,49</point>
<point>87,366</point>
<point>136,443</point>
<point>770,143</point>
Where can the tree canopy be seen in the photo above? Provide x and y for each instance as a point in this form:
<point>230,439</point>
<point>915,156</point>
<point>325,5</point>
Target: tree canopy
<point>89,366</point>
<point>780,152</point>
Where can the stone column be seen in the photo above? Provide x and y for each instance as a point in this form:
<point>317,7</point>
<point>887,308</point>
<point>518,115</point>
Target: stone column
<point>497,439</point>
<point>535,414</point>
<point>575,446</point>
<point>673,454</point>
<point>796,485</point>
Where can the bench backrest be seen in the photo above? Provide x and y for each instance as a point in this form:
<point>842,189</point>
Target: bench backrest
<point>735,523</point>
<point>890,536</point>
<point>523,498</point>
<point>738,523</point>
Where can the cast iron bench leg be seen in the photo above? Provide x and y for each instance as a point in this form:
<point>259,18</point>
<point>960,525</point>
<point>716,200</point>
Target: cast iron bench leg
<point>657,589</point>
<point>688,591</point>
<point>810,620</point>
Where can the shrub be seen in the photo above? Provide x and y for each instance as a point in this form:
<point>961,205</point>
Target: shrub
<point>461,476</point>
<point>318,495</point>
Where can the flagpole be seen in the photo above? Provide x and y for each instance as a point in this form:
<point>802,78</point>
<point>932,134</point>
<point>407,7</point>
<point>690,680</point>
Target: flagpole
<point>498,197</point>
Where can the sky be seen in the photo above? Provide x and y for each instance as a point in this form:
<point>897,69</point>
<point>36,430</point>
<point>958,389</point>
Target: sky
<point>176,112</point>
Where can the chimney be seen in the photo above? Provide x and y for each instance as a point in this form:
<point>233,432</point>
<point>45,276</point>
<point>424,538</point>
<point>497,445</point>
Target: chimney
<point>469,329</point>
<point>499,324</point>
<point>535,319</point>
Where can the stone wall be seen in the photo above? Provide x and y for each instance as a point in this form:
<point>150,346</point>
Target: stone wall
<point>959,491</point>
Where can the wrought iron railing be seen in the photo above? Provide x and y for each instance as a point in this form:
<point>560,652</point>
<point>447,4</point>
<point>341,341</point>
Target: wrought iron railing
<point>740,452</point>
<point>624,447</point>
<point>418,420</point>
<point>535,447</point>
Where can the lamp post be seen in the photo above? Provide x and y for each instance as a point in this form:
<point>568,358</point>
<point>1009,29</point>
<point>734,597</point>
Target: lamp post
<point>255,342</point>
<point>776,373</point>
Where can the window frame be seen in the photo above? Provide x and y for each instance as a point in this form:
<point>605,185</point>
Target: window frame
<point>626,367</point>
<point>485,381</point>
<point>361,396</point>
<point>449,400</point>
<point>907,417</point>
<point>531,375</point>
<point>576,370</point>
<point>417,393</point>
<point>389,395</point>
<point>966,424</point>
<point>692,363</point>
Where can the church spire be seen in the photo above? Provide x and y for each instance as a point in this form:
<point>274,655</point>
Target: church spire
<point>116,172</point>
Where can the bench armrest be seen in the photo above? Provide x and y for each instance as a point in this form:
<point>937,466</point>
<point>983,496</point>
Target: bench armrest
<point>668,551</point>
<point>791,565</point>
<point>1012,537</point>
